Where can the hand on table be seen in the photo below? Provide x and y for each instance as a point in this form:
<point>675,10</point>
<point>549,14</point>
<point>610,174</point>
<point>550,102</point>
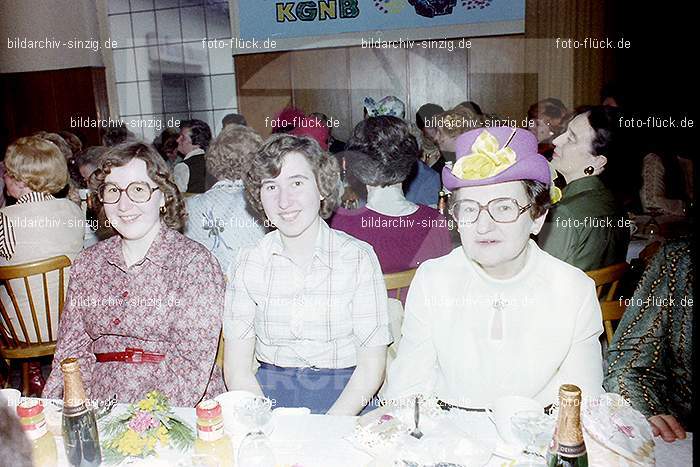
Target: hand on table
<point>667,426</point>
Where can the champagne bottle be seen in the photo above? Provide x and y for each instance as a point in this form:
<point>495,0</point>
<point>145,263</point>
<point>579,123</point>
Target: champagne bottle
<point>568,449</point>
<point>80,437</point>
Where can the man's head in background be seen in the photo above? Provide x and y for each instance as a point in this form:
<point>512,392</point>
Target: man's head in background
<point>548,118</point>
<point>425,119</point>
<point>237,119</point>
<point>194,134</point>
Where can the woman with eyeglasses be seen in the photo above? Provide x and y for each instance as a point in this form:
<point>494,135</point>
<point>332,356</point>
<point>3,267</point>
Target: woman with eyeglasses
<point>498,316</point>
<point>143,308</point>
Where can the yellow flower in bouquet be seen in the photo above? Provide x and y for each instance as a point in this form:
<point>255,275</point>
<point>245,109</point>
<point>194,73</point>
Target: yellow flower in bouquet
<point>143,426</point>
<point>486,160</point>
<point>163,436</point>
<point>147,404</point>
<point>130,443</point>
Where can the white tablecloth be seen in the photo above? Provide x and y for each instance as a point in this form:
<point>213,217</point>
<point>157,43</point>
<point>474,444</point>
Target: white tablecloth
<point>319,441</point>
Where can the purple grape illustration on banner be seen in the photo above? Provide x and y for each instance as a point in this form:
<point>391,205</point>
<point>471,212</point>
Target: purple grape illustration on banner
<point>432,8</point>
<point>389,6</point>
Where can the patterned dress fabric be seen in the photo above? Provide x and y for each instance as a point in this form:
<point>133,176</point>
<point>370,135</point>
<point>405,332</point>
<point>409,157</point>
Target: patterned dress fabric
<point>650,357</point>
<point>169,303</point>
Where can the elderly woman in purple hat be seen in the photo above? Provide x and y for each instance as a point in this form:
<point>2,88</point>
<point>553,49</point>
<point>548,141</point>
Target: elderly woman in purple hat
<point>498,316</point>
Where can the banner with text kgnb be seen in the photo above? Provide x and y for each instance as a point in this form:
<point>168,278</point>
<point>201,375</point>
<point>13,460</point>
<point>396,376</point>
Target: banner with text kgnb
<point>269,25</point>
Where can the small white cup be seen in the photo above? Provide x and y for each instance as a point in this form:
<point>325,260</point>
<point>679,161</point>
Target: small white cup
<point>12,397</point>
<point>503,409</point>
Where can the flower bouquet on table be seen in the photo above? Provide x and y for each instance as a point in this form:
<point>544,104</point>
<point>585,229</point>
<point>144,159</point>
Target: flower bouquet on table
<point>145,425</point>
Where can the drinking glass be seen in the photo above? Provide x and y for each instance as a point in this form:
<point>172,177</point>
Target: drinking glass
<point>534,430</point>
<point>255,451</point>
<point>254,413</point>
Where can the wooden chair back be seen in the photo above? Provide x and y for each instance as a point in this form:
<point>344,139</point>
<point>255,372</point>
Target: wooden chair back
<point>17,341</point>
<point>396,282</point>
<point>612,311</point>
<point>607,281</point>
<point>220,351</point>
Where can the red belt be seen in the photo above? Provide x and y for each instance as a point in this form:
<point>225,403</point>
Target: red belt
<point>130,356</point>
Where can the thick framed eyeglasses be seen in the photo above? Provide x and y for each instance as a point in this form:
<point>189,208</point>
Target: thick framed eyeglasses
<point>138,192</point>
<point>501,210</point>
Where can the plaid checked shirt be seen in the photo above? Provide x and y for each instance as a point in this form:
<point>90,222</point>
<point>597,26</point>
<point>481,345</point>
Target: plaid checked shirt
<point>318,318</point>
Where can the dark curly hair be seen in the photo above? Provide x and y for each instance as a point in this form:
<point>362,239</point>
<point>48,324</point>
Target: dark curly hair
<point>118,156</point>
<point>607,141</point>
<point>391,149</point>
<point>200,133</point>
<point>118,134</point>
<point>267,163</point>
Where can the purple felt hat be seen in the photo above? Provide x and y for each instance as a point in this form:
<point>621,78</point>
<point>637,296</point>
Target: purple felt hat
<point>486,156</point>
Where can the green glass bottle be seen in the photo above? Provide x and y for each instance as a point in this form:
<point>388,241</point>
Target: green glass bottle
<point>80,437</point>
<point>568,448</point>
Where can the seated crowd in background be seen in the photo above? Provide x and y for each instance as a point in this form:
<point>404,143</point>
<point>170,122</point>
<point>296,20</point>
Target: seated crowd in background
<point>304,304</point>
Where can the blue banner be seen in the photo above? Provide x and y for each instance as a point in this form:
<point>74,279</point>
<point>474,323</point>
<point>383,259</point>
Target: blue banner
<point>320,23</point>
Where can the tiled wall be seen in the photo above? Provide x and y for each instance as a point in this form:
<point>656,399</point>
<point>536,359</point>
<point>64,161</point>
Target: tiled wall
<point>162,70</point>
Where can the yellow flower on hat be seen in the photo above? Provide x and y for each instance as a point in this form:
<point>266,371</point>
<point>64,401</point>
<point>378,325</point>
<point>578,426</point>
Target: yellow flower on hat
<point>555,194</point>
<point>554,191</point>
<point>486,160</point>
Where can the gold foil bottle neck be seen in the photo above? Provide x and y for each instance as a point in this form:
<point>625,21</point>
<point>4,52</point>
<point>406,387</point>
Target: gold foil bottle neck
<point>569,391</point>
<point>69,365</point>
<point>569,431</point>
<point>73,389</point>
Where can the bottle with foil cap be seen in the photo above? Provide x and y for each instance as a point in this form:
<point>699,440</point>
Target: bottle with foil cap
<point>568,448</point>
<point>80,437</point>
<point>31,417</point>
<point>211,439</point>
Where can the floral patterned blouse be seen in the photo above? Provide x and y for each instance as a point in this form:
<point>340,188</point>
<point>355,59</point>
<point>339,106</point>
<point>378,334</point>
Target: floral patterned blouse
<point>169,303</point>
